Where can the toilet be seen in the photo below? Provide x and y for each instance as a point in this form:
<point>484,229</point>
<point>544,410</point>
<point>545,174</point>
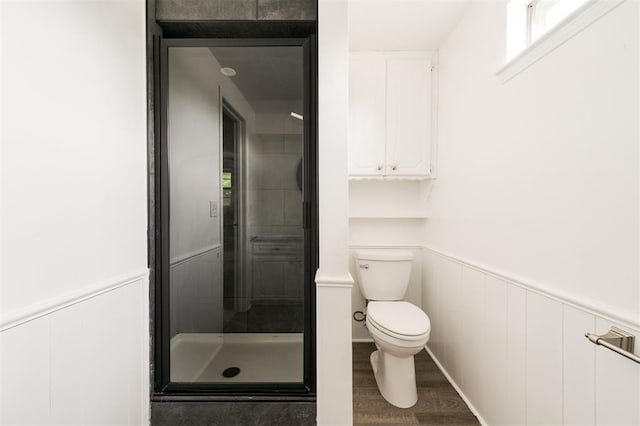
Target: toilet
<point>399,329</point>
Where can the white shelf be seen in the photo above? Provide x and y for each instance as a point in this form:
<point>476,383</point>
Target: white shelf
<point>384,199</point>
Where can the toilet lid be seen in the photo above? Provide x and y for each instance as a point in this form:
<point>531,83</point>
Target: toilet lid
<point>402,318</point>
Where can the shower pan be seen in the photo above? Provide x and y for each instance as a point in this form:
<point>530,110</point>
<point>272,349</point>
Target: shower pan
<point>236,230</point>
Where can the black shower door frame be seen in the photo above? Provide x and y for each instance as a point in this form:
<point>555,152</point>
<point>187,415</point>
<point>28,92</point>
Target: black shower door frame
<point>163,388</point>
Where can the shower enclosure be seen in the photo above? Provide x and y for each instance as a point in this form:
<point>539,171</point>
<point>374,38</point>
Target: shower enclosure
<point>235,202</point>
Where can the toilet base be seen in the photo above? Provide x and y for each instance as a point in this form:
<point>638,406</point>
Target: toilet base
<point>396,378</point>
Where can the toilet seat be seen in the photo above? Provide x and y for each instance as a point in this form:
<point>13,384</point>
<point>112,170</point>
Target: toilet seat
<point>399,319</point>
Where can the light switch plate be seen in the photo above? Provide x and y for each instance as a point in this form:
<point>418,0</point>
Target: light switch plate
<point>213,209</point>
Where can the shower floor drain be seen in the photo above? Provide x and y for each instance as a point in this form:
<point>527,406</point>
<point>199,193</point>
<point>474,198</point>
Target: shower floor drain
<point>231,372</point>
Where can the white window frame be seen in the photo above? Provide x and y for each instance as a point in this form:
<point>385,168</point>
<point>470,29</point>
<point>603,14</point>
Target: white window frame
<point>522,51</point>
<point>569,6</point>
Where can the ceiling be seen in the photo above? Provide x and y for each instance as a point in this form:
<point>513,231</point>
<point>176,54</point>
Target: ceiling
<point>273,73</point>
<point>402,24</point>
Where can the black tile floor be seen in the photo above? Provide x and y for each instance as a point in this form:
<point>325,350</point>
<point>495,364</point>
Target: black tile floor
<point>233,413</point>
<point>268,317</point>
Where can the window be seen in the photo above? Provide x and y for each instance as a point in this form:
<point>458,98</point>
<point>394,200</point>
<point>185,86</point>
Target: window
<point>528,20</point>
<point>542,15</point>
<point>537,27</point>
<point>227,188</point>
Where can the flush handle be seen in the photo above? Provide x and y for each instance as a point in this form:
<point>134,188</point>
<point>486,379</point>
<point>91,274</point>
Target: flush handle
<point>364,266</point>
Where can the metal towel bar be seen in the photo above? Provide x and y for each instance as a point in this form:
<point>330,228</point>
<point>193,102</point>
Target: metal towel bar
<point>616,340</point>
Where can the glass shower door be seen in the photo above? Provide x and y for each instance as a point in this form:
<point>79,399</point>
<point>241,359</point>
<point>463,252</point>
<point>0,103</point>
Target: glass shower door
<point>235,154</point>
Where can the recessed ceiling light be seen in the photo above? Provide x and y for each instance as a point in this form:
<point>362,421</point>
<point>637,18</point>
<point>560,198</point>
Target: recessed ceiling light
<point>229,72</point>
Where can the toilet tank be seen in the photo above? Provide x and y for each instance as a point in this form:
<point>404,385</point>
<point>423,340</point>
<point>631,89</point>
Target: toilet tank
<point>383,274</point>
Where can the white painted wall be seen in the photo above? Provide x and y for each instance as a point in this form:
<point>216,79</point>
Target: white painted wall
<point>74,292</point>
<point>532,238</point>
<point>333,281</point>
<point>538,177</point>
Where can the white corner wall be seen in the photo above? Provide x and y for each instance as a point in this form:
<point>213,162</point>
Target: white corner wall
<point>532,238</point>
<point>74,291</point>
<point>333,281</point>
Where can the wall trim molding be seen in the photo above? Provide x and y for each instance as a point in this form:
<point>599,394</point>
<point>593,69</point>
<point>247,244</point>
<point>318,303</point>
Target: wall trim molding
<point>23,315</point>
<point>605,312</point>
<point>336,281</point>
<point>176,261</point>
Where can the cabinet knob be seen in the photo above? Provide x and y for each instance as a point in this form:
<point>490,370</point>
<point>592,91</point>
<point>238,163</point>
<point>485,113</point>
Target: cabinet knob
<point>394,167</point>
<point>379,167</point>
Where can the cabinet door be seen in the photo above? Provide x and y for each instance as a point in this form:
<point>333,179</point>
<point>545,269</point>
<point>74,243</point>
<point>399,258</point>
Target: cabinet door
<point>367,115</point>
<point>408,115</point>
<point>268,277</point>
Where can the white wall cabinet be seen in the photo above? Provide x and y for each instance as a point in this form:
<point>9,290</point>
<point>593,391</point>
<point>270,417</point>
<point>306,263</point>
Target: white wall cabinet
<point>390,114</point>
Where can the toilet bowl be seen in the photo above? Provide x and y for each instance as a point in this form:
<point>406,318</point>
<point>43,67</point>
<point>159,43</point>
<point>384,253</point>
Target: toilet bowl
<point>399,329</point>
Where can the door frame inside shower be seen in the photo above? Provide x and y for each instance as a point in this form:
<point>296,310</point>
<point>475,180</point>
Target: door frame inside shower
<point>241,285</point>
<point>163,388</point>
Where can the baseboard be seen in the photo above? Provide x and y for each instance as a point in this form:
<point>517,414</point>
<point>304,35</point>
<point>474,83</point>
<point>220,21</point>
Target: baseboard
<point>456,387</point>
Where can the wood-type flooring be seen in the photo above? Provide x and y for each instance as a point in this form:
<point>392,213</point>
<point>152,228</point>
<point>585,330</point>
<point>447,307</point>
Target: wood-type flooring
<point>438,402</point>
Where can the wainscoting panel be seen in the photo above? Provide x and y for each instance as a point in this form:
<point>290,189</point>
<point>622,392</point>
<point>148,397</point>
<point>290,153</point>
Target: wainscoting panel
<point>24,373</point>
<point>473,321</point>
<point>454,345</point>
<point>82,360</point>
<point>518,355</point>
<point>95,357</point>
<point>494,334</point>
<point>516,403</point>
<point>544,361</point>
<point>578,368</point>
<point>431,303</point>
<point>197,292</point>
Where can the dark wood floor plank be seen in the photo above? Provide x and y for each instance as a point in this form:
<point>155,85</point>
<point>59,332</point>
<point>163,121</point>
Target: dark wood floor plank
<point>438,402</point>
<point>446,418</point>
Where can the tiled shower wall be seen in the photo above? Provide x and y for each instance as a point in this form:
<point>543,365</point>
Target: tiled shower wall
<point>520,356</point>
<point>274,200</point>
<point>204,10</point>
